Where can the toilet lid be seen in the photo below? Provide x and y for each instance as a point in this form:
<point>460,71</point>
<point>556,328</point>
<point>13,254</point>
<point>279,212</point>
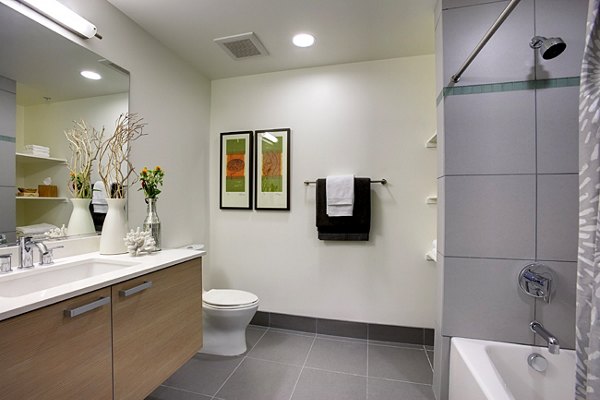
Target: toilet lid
<point>229,297</point>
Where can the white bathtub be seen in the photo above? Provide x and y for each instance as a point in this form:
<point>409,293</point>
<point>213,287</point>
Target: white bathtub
<point>483,370</point>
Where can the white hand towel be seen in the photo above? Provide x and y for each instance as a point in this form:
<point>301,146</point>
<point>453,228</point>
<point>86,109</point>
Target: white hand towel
<point>340,195</point>
<point>35,231</point>
<point>99,198</point>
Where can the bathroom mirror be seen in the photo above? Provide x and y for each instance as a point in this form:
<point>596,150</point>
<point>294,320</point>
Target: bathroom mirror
<point>41,93</point>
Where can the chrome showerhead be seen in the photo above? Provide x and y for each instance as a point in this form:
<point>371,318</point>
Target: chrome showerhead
<point>549,47</point>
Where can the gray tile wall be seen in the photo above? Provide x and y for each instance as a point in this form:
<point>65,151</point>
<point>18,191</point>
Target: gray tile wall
<point>508,183</point>
<point>506,57</point>
<point>8,128</point>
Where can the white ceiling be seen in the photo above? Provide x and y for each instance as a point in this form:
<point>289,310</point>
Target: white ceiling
<point>345,30</point>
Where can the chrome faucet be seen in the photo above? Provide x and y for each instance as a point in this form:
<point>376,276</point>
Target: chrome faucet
<point>26,244</point>
<point>553,345</point>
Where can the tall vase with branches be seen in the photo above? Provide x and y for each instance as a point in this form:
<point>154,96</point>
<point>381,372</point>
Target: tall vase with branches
<point>116,172</point>
<point>84,144</point>
<point>114,166</point>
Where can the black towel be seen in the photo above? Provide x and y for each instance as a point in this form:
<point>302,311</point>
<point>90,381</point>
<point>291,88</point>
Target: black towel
<point>357,226</point>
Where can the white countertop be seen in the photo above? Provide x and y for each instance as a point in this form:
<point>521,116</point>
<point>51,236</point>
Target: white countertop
<point>12,306</point>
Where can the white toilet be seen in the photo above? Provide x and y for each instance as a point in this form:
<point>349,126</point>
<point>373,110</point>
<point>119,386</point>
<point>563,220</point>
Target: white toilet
<point>226,315</point>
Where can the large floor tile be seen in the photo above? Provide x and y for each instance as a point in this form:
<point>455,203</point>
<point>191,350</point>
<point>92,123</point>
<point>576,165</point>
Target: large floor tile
<point>399,363</point>
<point>282,347</point>
<point>253,335</point>
<point>168,393</point>
<point>203,373</point>
<point>260,380</point>
<point>339,356</point>
<point>323,385</point>
<point>430,357</point>
<point>384,389</point>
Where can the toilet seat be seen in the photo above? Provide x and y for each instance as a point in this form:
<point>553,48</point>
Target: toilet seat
<point>229,298</point>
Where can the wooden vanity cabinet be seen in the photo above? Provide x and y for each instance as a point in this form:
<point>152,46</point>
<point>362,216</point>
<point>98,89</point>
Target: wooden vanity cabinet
<point>46,354</point>
<point>157,327</point>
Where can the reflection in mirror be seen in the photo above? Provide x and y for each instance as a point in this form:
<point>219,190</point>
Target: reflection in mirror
<point>42,92</point>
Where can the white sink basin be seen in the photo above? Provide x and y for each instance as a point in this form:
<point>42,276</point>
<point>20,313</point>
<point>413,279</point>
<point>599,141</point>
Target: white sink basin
<point>43,278</point>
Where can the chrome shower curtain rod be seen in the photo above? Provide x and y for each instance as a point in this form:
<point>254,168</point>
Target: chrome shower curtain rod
<point>488,35</point>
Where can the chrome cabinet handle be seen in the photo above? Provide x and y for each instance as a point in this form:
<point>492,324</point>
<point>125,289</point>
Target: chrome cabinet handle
<point>74,312</point>
<point>135,289</point>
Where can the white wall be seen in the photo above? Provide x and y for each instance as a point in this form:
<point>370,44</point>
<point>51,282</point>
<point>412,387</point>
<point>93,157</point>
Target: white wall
<point>174,99</point>
<point>370,119</point>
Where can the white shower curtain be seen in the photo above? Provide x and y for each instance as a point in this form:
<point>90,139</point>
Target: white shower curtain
<point>587,385</point>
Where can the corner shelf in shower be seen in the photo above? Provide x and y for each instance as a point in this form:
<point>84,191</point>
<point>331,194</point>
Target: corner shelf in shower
<point>431,143</point>
<point>431,199</point>
<point>431,255</point>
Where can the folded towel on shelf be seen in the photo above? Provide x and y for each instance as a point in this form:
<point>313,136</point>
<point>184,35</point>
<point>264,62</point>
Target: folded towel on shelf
<point>35,230</point>
<point>355,227</point>
<point>38,151</point>
<point>340,195</point>
<point>99,203</point>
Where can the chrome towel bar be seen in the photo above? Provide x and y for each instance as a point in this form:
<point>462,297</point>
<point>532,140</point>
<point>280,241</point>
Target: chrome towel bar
<point>382,181</point>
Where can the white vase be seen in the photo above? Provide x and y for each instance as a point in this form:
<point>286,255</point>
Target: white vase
<point>81,221</point>
<point>114,228</point>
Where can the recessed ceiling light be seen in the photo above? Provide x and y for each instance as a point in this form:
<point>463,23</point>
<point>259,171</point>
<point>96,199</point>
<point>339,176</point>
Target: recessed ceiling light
<point>91,75</point>
<point>303,40</point>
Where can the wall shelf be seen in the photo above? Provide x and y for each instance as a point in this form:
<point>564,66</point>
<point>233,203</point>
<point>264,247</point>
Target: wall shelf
<point>42,198</point>
<point>431,199</point>
<point>28,159</point>
<point>30,172</point>
<point>431,143</point>
<point>431,255</point>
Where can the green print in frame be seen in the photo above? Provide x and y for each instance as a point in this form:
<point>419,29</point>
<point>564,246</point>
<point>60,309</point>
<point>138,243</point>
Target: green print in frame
<point>235,183</point>
<point>272,169</point>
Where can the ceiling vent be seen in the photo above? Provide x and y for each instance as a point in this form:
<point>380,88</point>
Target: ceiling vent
<point>242,46</point>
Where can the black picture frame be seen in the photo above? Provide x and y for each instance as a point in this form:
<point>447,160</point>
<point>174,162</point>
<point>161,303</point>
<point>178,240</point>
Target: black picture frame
<point>272,173</point>
<point>236,193</point>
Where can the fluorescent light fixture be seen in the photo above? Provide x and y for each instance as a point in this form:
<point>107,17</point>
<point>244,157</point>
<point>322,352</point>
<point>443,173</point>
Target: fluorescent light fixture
<point>64,16</point>
<point>270,137</point>
<point>91,75</point>
<point>303,40</point>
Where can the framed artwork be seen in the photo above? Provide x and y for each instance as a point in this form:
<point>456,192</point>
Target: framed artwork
<point>272,169</point>
<point>235,184</point>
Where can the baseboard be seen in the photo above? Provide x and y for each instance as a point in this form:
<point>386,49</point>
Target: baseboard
<point>357,330</point>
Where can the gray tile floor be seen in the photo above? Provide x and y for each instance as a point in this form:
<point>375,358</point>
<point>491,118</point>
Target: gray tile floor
<point>292,365</point>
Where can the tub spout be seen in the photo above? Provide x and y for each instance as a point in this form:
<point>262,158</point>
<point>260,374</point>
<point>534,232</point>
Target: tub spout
<point>553,345</point>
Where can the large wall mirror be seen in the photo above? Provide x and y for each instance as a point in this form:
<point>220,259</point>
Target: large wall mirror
<point>41,93</point>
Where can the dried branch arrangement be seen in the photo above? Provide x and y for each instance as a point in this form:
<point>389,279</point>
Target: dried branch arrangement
<point>114,166</point>
<point>84,144</point>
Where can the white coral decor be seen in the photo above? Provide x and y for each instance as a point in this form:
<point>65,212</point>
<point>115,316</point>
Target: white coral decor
<point>57,233</point>
<point>139,241</point>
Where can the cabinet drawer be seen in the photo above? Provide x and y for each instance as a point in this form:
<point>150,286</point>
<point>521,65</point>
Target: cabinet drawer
<point>47,354</point>
<point>157,327</point>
